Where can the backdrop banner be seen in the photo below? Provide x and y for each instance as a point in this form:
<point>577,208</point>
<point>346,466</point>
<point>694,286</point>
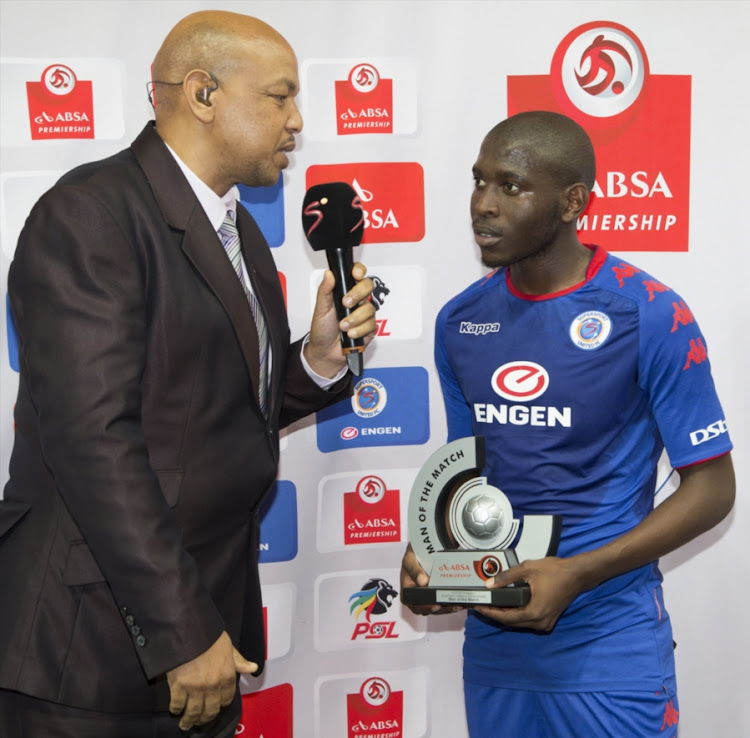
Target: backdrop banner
<point>396,98</point>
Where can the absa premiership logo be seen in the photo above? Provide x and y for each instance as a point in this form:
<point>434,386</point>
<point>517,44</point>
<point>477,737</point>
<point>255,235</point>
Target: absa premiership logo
<point>364,103</point>
<point>639,124</point>
<point>372,513</point>
<point>60,105</point>
<point>600,69</point>
<point>376,711</point>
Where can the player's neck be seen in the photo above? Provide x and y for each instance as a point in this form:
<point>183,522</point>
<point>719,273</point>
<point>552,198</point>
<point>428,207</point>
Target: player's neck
<point>556,269</point>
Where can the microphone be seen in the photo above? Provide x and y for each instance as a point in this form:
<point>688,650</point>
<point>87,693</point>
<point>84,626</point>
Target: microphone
<point>334,222</point>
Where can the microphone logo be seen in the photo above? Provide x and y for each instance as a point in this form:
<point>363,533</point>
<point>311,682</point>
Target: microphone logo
<point>314,208</point>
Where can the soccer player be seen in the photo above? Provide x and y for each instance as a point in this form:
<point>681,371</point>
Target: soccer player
<point>596,368</point>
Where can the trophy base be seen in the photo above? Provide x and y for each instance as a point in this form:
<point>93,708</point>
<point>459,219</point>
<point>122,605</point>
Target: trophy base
<point>514,595</point>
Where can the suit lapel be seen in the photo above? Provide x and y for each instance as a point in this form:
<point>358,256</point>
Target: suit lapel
<point>200,244</point>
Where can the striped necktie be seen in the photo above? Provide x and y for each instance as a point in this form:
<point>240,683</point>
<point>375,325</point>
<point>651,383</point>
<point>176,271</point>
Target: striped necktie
<point>230,239</point>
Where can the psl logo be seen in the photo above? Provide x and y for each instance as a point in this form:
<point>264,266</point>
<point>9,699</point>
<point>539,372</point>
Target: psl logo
<point>375,598</point>
<point>364,102</point>
<point>60,105</point>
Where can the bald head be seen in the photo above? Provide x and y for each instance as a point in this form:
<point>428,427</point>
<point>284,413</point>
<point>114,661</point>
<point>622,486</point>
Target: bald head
<point>210,40</point>
<point>557,143</point>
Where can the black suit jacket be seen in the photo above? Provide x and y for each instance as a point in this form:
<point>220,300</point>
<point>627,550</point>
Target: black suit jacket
<point>129,524</point>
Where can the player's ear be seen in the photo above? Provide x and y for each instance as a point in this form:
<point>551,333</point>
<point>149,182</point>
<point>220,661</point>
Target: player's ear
<point>575,197</point>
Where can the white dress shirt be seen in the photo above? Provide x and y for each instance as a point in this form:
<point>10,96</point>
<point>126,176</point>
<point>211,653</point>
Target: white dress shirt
<point>216,209</point>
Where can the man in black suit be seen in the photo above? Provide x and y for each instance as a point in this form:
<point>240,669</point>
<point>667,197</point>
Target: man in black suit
<point>149,406</point>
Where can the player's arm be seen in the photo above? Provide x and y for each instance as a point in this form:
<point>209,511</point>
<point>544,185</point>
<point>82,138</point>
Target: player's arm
<point>704,498</point>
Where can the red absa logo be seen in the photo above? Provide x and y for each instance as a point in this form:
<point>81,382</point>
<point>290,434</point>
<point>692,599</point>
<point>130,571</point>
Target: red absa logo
<point>60,105</point>
<point>392,196</point>
<point>639,124</point>
<point>267,713</point>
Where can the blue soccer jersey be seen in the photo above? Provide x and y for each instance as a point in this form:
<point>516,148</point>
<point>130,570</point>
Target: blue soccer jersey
<point>577,393</point>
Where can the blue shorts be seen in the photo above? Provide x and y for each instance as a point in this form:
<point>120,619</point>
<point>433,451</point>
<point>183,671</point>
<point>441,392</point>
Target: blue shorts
<point>492,712</point>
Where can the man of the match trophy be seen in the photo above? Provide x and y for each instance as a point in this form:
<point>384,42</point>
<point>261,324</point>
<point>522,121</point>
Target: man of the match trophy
<point>463,531</point>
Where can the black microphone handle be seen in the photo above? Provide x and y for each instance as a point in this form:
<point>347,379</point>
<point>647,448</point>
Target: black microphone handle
<point>340,262</point>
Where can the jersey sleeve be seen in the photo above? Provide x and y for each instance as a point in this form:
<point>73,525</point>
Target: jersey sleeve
<point>675,373</point>
<point>457,410</point>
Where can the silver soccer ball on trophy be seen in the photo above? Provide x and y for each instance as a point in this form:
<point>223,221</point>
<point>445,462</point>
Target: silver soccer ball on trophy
<point>482,516</point>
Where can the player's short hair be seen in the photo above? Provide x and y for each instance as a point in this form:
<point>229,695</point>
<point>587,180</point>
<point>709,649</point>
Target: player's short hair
<point>560,145</point>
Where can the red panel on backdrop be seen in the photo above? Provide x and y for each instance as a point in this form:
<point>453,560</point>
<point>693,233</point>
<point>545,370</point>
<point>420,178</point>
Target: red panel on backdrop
<point>639,124</point>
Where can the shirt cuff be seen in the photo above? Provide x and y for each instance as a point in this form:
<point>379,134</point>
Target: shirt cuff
<point>322,382</point>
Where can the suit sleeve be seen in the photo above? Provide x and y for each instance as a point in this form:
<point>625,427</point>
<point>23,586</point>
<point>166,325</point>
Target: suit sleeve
<point>78,299</point>
<point>303,396</point>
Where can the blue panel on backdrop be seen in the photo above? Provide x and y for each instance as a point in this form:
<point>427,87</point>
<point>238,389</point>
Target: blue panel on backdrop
<point>266,205</point>
<point>390,407</point>
<point>12,337</point>
<point>278,524</point>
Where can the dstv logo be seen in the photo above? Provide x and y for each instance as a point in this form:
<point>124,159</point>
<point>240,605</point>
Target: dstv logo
<point>706,434</point>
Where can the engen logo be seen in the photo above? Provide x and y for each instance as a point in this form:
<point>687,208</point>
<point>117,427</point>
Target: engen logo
<point>374,598</point>
<point>375,711</point>
<point>268,713</point>
<point>639,124</point>
<point>364,102</point>
<point>392,196</point>
<point>60,105</point>
<point>372,513</point>
<point>390,407</point>
<point>521,381</point>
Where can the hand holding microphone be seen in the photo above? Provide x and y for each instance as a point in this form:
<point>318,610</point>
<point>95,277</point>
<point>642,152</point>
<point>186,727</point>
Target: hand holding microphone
<point>333,221</point>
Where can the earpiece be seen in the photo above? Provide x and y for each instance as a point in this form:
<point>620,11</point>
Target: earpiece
<point>202,96</point>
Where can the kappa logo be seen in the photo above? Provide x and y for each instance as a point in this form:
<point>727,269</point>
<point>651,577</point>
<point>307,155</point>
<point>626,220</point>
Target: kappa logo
<point>478,329</point>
